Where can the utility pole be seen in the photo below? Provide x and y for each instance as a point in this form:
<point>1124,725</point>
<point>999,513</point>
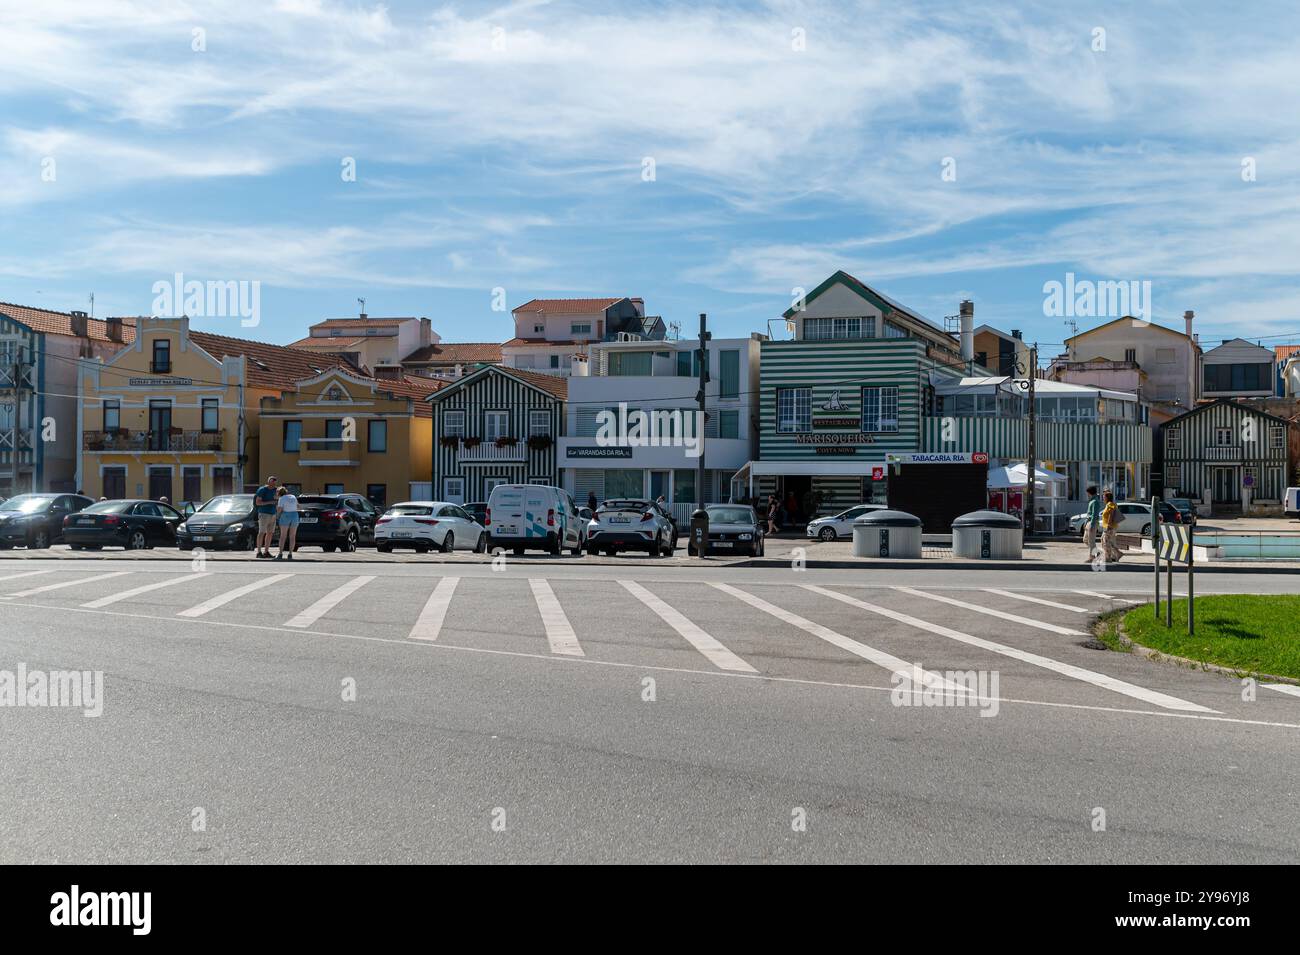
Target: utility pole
<point>705,335</point>
<point>1033,450</point>
<point>15,454</point>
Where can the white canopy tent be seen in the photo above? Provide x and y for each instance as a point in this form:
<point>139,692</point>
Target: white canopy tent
<point>1015,476</point>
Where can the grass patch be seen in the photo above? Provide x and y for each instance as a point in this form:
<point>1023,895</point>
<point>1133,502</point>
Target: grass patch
<point>1248,633</point>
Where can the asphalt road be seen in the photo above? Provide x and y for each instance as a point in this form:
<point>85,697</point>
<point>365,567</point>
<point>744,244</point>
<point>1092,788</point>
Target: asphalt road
<point>633,713</point>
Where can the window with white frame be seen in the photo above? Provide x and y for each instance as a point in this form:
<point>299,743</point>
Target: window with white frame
<point>894,331</point>
<point>496,424</point>
<point>539,328</point>
<point>579,328</point>
<point>539,422</point>
<point>793,410</point>
<point>880,408</point>
<point>1223,437</point>
<point>1250,478</point>
<point>453,424</point>
<point>821,329</point>
<point>1173,439</point>
<point>1276,438</point>
<point>1174,476</point>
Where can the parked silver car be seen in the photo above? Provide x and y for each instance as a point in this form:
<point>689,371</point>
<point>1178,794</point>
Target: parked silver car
<point>840,526</point>
<point>1135,518</point>
<point>631,524</point>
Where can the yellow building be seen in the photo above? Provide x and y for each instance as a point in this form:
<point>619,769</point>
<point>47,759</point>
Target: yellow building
<point>341,431</point>
<point>174,413</point>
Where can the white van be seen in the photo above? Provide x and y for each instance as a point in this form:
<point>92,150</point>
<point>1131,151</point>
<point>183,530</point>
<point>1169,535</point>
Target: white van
<point>533,517</point>
<point>1291,503</point>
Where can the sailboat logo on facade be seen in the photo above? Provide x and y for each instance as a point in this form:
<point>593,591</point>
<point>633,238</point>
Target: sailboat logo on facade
<point>833,403</point>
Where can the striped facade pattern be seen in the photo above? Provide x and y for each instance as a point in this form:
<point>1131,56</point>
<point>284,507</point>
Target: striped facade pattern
<point>1054,441</point>
<point>1216,445</point>
<point>845,367</point>
<point>20,343</point>
<point>494,391</point>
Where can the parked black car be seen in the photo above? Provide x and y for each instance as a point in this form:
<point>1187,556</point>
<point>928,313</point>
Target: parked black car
<point>226,521</point>
<point>1184,506</point>
<point>36,520</point>
<point>131,524</point>
<point>336,521</point>
<point>733,529</point>
<point>478,511</point>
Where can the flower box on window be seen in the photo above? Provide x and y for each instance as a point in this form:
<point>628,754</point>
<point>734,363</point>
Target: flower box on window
<point>471,442</point>
<point>449,440</point>
<point>506,441</point>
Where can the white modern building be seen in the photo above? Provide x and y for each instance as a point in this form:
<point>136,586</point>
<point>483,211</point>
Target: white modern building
<point>551,333</point>
<point>632,428</point>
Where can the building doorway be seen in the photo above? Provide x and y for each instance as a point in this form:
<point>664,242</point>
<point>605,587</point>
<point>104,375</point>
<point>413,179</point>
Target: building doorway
<point>160,483</point>
<point>1225,487</point>
<point>791,492</point>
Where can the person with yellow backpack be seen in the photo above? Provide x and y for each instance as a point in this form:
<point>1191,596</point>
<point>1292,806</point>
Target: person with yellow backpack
<point>1110,520</point>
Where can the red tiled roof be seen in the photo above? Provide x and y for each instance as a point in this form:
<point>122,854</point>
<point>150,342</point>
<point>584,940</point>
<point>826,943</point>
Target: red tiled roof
<point>270,366</point>
<point>60,323</point>
<point>519,342</point>
<point>327,344</point>
<point>456,352</point>
<point>362,322</point>
<point>568,304</point>
<point>552,384</point>
<point>1283,352</point>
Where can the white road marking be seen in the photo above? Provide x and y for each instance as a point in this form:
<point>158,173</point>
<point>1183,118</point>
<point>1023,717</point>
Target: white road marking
<point>1036,600</point>
<point>220,600</point>
<point>429,625</point>
<point>1047,663</point>
<point>1093,593</point>
<point>559,632</point>
<point>68,583</point>
<point>29,573</point>
<point>1014,618</point>
<point>1283,688</point>
<point>329,602</point>
<point>127,594</point>
<point>716,653</point>
<point>909,671</point>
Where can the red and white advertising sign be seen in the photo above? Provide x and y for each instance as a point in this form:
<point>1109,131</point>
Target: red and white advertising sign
<point>877,474</point>
<point>979,457</point>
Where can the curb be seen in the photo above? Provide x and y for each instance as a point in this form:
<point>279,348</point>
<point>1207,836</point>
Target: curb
<point>1159,656</point>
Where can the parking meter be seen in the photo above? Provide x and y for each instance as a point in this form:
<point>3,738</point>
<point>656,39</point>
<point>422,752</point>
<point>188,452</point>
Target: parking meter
<point>700,532</point>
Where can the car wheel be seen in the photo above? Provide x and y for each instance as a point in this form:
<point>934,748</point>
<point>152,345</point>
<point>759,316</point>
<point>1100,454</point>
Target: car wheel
<point>39,541</point>
<point>592,551</point>
<point>136,541</point>
<point>350,543</point>
<point>655,550</point>
<point>671,545</point>
<point>448,543</point>
<point>1146,530</point>
<point>482,545</point>
<point>245,542</point>
<point>826,535</point>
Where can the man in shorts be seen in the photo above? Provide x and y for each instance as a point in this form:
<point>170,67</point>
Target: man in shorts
<point>264,504</point>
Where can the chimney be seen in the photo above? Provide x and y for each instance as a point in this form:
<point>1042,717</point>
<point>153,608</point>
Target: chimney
<point>426,332</point>
<point>639,305</point>
<point>80,325</point>
<point>967,310</point>
<point>1187,320</point>
<point>1015,333</point>
<point>113,328</point>
<point>388,372</point>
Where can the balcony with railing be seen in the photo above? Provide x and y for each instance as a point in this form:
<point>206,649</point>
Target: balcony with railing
<point>489,452</point>
<point>328,452</point>
<point>1223,452</point>
<point>174,440</point>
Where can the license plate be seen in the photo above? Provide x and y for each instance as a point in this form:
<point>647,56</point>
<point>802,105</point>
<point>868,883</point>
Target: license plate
<point>86,520</point>
<point>306,520</point>
<point>401,534</point>
<point>620,520</point>
<point>203,538</point>
<point>505,529</point>
<point>721,544</point>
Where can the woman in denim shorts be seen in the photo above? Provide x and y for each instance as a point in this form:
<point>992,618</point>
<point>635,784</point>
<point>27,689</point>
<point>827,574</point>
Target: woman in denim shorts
<point>286,510</point>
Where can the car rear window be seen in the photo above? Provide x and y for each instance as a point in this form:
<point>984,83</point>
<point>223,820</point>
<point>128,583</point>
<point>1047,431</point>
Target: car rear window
<point>109,507</point>
<point>627,505</point>
<point>409,510</point>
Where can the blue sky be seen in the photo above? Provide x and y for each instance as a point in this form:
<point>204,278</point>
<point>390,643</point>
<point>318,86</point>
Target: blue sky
<point>504,146</point>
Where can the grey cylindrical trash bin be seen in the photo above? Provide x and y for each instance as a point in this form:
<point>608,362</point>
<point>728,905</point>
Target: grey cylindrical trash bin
<point>887,534</point>
<point>990,535</point>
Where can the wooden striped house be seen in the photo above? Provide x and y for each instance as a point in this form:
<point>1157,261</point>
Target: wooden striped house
<point>495,426</point>
<point>1223,447</point>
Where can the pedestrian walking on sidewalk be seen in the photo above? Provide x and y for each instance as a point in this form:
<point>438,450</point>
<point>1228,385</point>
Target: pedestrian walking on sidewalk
<point>1092,523</point>
<point>1110,524</point>
<point>286,510</point>
<point>264,500</point>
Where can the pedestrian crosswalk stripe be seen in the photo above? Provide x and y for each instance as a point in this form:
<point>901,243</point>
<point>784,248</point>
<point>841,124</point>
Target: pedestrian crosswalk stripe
<point>909,671</point>
<point>716,653</point>
<point>329,602</point>
<point>128,594</point>
<point>220,600</point>
<point>1286,688</point>
<point>67,583</point>
<point>1002,614</point>
<point>26,573</point>
<point>429,624</point>
<point>1047,663</point>
<point>1093,593</point>
<point>1037,600</point>
<point>559,632</point>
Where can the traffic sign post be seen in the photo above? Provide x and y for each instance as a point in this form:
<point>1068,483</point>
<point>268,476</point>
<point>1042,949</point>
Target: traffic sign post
<point>1176,545</point>
<point>1155,546</point>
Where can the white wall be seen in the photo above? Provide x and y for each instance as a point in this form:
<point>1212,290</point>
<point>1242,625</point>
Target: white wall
<point>1167,381</point>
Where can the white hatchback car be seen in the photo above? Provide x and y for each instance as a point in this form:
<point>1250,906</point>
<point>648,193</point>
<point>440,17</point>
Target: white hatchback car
<point>424,525</point>
<point>840,526</point>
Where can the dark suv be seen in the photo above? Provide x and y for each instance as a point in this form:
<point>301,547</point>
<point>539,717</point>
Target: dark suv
<point>336,521</point>
<point>36,520</point>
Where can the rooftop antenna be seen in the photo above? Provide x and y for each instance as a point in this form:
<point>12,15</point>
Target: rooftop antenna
<point>362,303</point>
<point>1074,333</point>
<point>674,330</point>
<point>92,304</point>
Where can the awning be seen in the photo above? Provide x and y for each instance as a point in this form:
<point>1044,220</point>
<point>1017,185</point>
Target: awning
<point>1015,476</point>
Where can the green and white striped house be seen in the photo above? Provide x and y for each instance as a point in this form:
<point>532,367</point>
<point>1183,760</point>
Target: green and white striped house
<point>1224,447</point>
